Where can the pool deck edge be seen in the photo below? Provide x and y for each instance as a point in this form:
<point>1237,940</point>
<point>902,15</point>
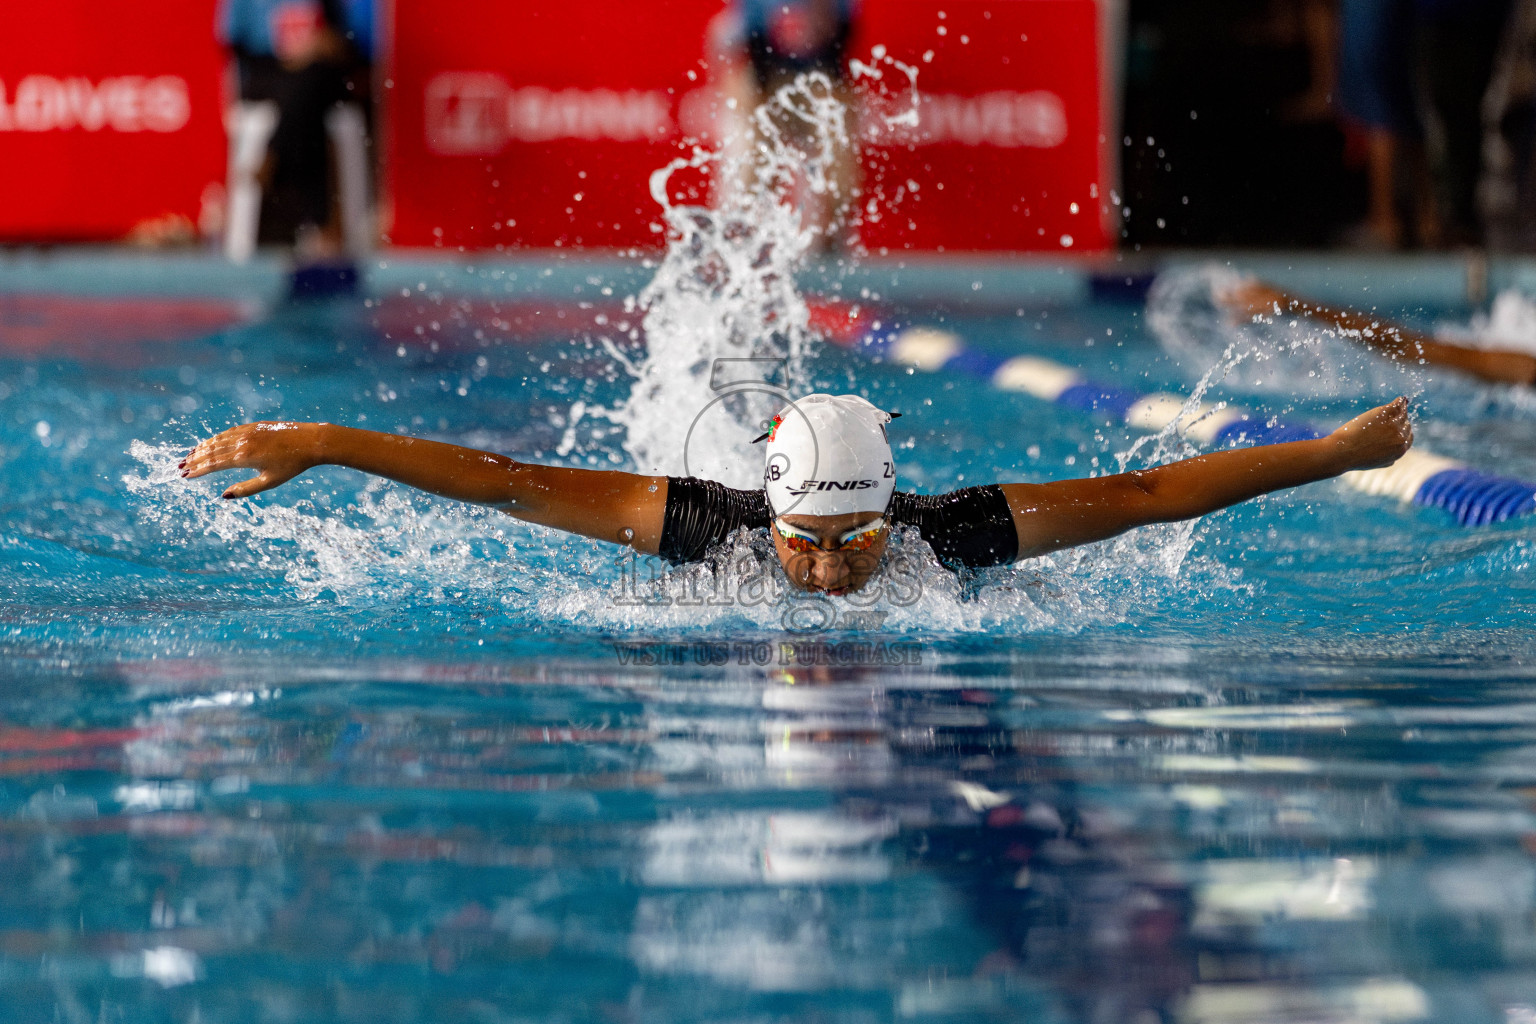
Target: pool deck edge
<point>1440,280</point>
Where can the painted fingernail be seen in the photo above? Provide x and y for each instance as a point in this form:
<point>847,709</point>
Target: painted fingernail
<point>226,497</point>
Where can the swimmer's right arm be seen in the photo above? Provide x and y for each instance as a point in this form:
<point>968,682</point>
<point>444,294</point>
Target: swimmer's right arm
<point>1066,513</point>
<point>624,508</point>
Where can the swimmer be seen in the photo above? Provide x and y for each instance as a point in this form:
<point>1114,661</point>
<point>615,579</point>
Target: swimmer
<point>829,499</point>
<point>1498,366</point>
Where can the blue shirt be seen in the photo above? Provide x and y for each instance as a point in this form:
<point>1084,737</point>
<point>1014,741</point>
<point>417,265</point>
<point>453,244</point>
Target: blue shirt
<point>756,15</point>
<point>252,26</point>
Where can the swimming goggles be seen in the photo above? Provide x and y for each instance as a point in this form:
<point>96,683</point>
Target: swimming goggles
<point>860,538</point>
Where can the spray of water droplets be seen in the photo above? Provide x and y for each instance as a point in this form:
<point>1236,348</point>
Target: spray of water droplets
<point>724,291</point>
<point>1282,354</point>
<point>1510,323</point>
<point>370,552</point>
<point>723,308</point>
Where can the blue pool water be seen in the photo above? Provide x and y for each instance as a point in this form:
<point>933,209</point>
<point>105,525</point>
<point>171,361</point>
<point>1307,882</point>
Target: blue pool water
<point>348,752</point>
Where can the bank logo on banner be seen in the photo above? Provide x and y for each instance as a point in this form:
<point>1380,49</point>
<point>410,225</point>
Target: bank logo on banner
<point>1006,120</point>
<point>479,113</point>
<point>127,103</point>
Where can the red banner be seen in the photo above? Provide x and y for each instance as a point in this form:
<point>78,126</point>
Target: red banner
<point>110,118</point>
<point>1006,149</point>
<point>539,124</point>
<point>535,124</point>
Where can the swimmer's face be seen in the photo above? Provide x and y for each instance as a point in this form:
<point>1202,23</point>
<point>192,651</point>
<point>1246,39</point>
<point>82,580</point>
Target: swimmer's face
<point>829,567</point>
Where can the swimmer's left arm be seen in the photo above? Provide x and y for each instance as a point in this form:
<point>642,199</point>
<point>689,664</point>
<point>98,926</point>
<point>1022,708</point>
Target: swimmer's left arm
<point>1071,512</point>
<point>1257,299</point>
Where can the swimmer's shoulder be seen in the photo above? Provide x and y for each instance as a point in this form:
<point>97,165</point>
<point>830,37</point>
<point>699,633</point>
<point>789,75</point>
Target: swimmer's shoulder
<point>702,513</point>
<point>973,526</point>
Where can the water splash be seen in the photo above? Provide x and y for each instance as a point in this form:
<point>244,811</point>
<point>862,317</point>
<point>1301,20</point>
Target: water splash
<point>725,291</point>
<point>1510,323</point>
<point>727,330</point>
<point>393,551</point>
<point>1284,355</point>
<point>742,590</point>
<point>373,552</point>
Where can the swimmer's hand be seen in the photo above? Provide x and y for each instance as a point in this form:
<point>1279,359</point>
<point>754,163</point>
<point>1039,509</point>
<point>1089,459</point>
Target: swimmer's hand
<point>1376,438</point>
<point>277,451</point>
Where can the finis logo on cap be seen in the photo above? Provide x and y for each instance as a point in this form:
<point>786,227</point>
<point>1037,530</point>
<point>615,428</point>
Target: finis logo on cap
<point>807,486</point>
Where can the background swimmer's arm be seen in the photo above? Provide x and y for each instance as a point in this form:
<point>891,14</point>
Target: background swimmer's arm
<point>1502,366</point>
<point>1071,512</point>
<point>593,503</point>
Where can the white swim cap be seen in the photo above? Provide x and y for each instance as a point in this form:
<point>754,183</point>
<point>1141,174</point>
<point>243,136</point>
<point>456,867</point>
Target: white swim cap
<point>827,456</point>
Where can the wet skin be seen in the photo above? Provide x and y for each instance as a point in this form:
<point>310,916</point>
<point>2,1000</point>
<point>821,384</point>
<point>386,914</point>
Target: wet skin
<point>828,570</point>
<point>630,509</point>
<point>1259,301</point>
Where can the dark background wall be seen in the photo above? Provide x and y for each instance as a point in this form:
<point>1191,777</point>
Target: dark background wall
<point>1233,96</point>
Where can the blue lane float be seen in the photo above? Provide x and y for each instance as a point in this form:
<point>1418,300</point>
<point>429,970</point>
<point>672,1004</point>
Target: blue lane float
<point>1474,498</point>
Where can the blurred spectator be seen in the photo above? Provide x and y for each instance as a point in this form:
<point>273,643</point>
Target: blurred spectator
<point>1223,143</point>
<point>1377,98</point>
<point>305,56</point>
<point>1509,124</point>
<point>1312,23</point>
<point>1413,76</point>
<point>1458,42</point>
<point>784,39</point>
